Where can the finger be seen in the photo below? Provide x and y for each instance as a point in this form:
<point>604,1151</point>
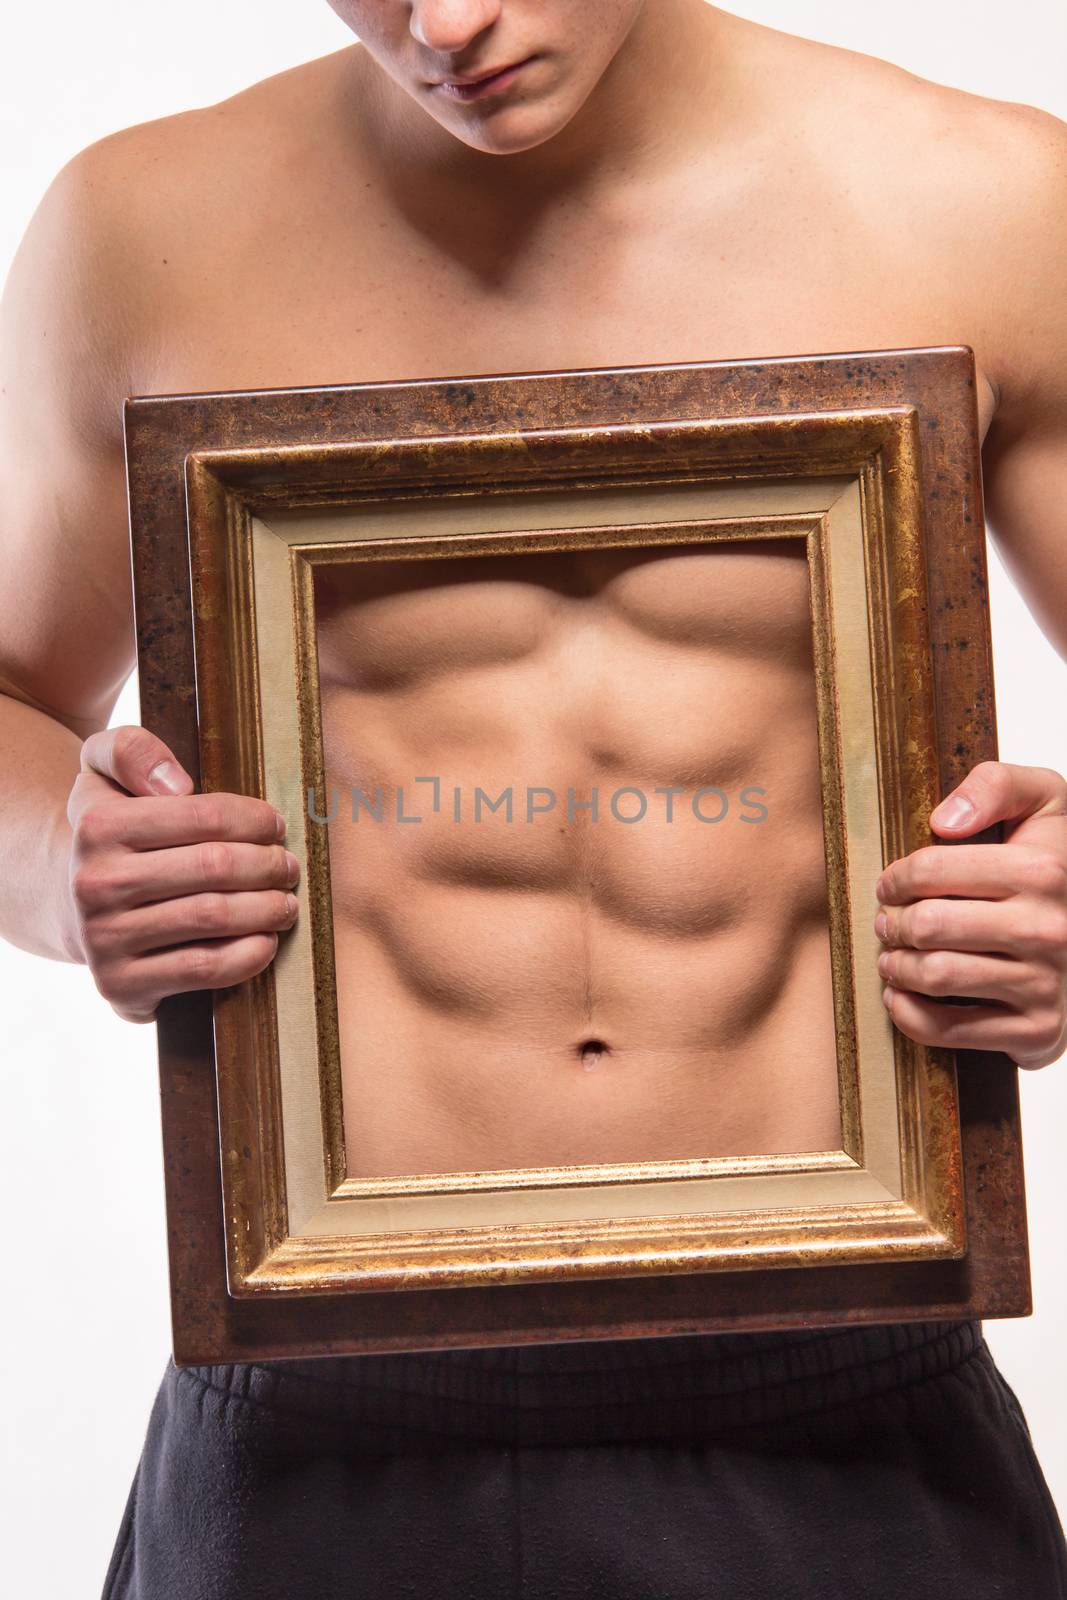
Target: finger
<point>136,760</point>
<point>136,990</point>
<point>194,918</point>
<point>978,1027</point>
<point>145,877</point>
<point>998,791</point>
<point>1010,927</point>
<point>949,972</point>
<point>157,824</point>
<point>976,871</point>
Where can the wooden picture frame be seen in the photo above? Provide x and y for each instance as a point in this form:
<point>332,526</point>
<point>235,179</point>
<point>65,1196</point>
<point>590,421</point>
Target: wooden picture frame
<point>872,459</point>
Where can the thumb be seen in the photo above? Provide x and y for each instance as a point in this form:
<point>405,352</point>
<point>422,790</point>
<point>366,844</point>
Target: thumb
<point>136,760</point>
<point>999,791</point>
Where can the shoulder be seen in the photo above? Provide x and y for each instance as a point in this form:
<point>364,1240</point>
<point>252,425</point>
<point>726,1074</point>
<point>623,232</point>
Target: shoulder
<point>981,186</point>
<point>201,159</point>
<point>877,118</point>
<point>961,194</point>
<point>133,221</point>
<point>877,121</point>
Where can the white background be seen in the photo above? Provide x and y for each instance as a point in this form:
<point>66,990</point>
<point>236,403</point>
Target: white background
<point>85,1330</point>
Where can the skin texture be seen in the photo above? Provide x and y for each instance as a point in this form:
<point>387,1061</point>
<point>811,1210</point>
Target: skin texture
<point>663,182</point>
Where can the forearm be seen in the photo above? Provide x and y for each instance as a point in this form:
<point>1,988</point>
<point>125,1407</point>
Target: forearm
<point>39,760</point>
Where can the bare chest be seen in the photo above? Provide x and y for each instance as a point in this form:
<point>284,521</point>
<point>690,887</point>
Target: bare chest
<point>321,295</point>
<point>328,297</point>
<point>583,621</point>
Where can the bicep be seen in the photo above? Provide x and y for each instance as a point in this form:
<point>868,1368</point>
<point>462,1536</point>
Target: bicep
<point>66,624</point>
<point>1025,454</point>
<point>1025,471</point>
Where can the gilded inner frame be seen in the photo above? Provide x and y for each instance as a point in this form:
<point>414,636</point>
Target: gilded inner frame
<point>892,1188</point>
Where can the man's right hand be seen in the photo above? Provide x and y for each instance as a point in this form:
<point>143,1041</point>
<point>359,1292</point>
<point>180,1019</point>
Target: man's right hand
<point>171,890</point>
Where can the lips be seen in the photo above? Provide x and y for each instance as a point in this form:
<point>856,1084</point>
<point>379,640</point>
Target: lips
<point>471,86</point>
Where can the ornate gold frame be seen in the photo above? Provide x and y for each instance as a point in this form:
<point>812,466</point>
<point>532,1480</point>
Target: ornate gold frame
<point>852,483</point>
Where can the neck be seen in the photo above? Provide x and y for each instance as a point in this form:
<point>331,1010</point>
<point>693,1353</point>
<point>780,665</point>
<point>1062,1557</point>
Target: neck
<point>666,85</point>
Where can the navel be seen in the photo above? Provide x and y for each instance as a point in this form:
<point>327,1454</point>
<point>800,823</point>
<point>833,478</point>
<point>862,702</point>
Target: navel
<point>591,1053</point>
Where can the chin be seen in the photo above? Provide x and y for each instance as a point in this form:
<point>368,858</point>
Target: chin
<point>509,132</point>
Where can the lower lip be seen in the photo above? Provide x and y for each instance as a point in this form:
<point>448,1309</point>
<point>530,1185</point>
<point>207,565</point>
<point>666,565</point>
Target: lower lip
<point>484,86</point>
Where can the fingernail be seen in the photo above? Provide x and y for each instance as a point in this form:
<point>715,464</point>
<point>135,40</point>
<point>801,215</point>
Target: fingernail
<point>954,811</point>
<point>292,865</point>
<point>881,925</point>
<point>291,905</point>
<point>279,827</point>
<point>167,777</point>
<point>883,964</point>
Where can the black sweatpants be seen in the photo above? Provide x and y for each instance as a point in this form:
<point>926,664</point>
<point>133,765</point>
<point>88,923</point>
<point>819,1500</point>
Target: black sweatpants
<point>887,1462</point>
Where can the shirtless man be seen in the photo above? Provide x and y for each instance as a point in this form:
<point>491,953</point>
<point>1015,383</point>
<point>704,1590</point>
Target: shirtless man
<point>635,182</point>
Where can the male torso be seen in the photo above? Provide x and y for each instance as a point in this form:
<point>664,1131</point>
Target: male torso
<point>564,991</point>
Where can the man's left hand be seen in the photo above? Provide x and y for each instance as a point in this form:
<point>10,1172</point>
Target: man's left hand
<point>986,921</point>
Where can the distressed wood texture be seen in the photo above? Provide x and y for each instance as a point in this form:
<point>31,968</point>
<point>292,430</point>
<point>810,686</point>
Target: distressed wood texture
<point>210,1324</point>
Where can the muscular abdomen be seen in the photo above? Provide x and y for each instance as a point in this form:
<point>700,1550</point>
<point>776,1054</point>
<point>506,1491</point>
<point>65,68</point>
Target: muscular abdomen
<point>577,859</point>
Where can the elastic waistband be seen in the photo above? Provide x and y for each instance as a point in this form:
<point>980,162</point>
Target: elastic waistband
<point>602,1391</point>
